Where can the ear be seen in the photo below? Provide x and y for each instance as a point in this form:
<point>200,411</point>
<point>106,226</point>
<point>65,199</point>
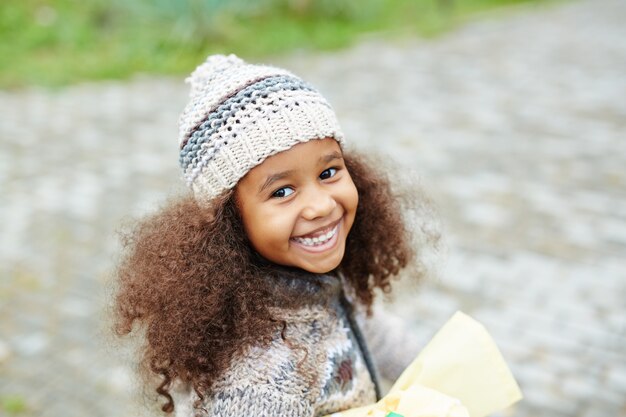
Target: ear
<point>236,196</point>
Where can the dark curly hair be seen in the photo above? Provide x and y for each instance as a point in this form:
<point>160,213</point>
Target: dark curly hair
<point>191,280</point>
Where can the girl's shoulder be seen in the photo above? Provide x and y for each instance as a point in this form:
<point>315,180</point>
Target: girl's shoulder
<point>308,327</point>
<point>284,370</point>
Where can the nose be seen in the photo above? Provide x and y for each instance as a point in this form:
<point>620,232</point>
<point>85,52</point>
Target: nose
<point>318,203</point>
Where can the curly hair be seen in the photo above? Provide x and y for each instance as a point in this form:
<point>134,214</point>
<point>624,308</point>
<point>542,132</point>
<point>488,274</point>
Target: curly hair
<point>189,278</point>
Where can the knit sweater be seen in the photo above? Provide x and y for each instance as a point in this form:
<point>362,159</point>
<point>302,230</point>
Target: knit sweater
<point>337,373</point>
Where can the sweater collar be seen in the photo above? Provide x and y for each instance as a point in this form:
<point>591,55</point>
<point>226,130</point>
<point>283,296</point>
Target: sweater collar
<point>312,289</point>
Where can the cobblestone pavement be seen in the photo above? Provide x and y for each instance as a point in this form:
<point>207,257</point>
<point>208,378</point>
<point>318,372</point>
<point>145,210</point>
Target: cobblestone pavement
<point>515,125</point>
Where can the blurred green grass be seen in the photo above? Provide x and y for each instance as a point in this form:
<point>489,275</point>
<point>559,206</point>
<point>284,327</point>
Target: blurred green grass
<point>12,405</point>
<point>57,42</point>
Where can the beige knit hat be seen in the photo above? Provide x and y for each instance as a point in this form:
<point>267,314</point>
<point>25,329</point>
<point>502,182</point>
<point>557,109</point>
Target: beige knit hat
<point>240,114</point>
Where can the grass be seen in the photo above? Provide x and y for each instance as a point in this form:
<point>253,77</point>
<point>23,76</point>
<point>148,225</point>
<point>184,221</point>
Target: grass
<point>13,405</point>
<point>58,42</point>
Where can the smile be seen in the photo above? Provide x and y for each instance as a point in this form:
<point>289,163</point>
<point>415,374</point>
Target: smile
<point>321,241</point>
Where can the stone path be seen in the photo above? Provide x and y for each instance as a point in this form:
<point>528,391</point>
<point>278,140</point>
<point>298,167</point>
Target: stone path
<point>515,124</point>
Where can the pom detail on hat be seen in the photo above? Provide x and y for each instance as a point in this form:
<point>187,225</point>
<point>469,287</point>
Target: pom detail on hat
<point>214,64</point>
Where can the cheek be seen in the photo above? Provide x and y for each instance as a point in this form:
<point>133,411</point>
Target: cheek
<point>351,198</point>
<point>355,197</point>
<point>351,204</point>
<point>267,230</point>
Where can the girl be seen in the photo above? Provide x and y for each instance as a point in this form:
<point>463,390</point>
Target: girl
<point>255,292</point>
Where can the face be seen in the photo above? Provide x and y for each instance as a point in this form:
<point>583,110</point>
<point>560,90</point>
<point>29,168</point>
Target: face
<point>298,206</point>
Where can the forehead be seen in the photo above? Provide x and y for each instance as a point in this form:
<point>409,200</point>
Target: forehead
<point>302,155</point>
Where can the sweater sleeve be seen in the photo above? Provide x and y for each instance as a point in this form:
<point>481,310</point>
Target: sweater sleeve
<point>252,400</point>
<point>391,342</point>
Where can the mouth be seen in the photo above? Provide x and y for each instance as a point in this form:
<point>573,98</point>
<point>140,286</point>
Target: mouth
<point>320,240</point>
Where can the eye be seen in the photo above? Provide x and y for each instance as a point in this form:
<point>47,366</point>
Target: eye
<point>282,192</point>
<point>328,173</point>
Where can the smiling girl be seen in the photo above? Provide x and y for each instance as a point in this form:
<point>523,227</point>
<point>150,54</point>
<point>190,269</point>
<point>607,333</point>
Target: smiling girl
<point>255,292</point>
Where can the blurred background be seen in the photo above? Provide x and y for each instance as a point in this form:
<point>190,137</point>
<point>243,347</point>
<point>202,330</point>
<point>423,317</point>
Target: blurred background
<point>512,114</point>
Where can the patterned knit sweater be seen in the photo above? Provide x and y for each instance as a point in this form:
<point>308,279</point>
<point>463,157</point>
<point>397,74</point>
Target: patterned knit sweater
<point>340,370</point>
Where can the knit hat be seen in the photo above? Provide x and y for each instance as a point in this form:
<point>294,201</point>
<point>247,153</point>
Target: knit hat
<point>239,114</point>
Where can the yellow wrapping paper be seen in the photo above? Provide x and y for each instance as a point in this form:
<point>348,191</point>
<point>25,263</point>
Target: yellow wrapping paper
<point>460,373</point>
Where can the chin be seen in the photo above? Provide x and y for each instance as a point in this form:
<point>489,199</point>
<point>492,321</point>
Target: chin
<point>319,270</point>
<point>322,267</point>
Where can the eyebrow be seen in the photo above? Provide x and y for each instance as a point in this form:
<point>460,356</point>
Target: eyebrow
<point>324,159</point>
<point>275,177</point>
<point>329,157</point>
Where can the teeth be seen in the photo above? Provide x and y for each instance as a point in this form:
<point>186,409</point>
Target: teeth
<point>318,240</point>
